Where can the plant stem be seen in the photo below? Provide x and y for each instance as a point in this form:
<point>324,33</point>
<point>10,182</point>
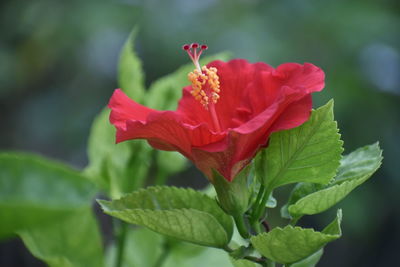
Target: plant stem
<point>257,227</point>
<point>120,233</point>
<point>261,207</point>
<point>161,178</point>
<point>258,199</point>
<point>241,226</point>
<point>294,221</point>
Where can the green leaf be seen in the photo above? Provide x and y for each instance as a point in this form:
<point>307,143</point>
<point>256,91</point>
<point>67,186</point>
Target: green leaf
<point>116,168</point>
<point>180,213</point>
<point>355,169</point>
<point>73,242</point>
<point>292,244</point>
<point>308,153</point>
<point>310,261</point>
<point>35,191</point>
<point>130,74</point>
<point>299,191</point>
<point>361,163</point>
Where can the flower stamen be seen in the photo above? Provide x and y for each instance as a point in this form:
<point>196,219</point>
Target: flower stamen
<point>204,80</point>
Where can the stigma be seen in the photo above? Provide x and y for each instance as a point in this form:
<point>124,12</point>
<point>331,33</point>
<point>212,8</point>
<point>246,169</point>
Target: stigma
<point>204,80</point>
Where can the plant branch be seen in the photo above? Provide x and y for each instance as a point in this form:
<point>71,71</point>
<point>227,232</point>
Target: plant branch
<point>241,226</point>
<point>259,210</point>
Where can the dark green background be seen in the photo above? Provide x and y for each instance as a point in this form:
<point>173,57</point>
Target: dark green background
<point>58,69</point>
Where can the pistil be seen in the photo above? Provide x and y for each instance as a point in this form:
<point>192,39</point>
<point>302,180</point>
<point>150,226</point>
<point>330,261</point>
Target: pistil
<point>205,82</point>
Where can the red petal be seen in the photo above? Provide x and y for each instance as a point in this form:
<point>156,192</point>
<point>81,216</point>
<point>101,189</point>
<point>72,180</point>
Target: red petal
<point>164,130</point>
<point>123,108</point>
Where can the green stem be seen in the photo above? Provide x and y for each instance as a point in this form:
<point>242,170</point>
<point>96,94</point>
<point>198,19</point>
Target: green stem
<point>241,226</point>
<point>261,191</point>
<point>120,233</point>
<point>161,178</point>
<point>293,221</point>
<point>257,227</point>
<point>260,208</point>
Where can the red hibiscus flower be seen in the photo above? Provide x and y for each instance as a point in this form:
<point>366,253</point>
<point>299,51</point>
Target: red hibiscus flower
<point>226,115</point>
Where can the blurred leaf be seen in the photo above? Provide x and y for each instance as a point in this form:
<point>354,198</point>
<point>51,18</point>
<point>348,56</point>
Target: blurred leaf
<point>355,169</point>
<point>180,213</point>
<point>291,244</point>
<point>310,261</point>
<point>171,253</point>
<point>73,242</point>
<point>35,191</point>
<point>185,254</point>
<point>116,168</point>
<point>143,247</point>
<point>130,73</point>
<point>243,263</point>
<point>169,163</point>
<point>308,153</point>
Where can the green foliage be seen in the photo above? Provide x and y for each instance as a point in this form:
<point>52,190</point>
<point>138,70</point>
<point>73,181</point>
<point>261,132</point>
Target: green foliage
<point>180,213</point>
<point>292,244</point>
<point>146,248</point>
<point>48,204</point>
<point>143,247</point>
<point>121,168</point>
<point>35,191</point>
<point>72,242</point>
<point>130,74</point>
<point>355,169</point>
<point>309,153</point>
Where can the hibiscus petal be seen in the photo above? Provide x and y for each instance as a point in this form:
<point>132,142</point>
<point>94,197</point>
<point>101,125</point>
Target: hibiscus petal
<point>304,77</point>
<point>234,77</point>
<point>123,108</point>
<point>164,130</point>
<point>285,107</point>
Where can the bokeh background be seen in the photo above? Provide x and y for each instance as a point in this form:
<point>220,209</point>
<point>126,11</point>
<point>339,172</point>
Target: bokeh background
<point>58,68</point>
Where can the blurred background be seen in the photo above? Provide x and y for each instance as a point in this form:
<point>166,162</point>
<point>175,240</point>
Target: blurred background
<point>58,69</point>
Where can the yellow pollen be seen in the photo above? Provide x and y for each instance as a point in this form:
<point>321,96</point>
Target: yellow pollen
<point>205,85</point>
